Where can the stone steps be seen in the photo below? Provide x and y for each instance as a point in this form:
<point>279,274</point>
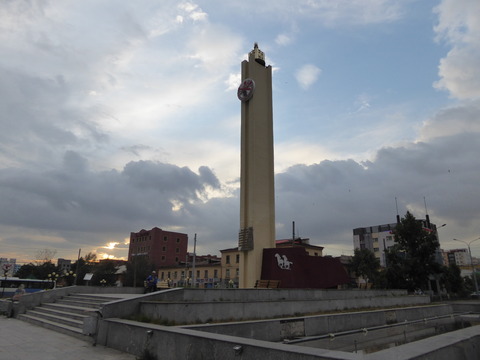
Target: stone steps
<point>66,315</point>
<point>54,325</point>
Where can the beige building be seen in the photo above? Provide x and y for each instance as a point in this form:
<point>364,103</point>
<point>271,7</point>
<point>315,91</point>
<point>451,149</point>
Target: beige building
<point>207,272</point>
<point>231,259</point>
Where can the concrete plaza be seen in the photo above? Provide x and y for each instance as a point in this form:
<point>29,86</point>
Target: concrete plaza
<point>23,341</point>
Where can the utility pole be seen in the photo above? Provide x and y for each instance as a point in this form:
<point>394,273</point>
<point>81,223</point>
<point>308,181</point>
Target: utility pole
<point>78,265</point>
<point>193,262</point>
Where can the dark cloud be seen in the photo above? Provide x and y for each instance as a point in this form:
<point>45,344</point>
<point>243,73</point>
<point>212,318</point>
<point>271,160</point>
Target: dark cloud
<point>75,198</point>
<point>329,199</point>
<point>326,200</point>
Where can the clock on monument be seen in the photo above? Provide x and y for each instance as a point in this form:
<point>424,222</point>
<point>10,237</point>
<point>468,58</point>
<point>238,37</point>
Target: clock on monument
<point>246,89</point>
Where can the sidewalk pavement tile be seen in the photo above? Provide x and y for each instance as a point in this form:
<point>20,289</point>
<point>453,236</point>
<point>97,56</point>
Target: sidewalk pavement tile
<point>20,340</point>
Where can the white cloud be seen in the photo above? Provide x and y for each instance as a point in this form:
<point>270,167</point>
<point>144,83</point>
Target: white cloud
<point>459,25</point>
<point>296,151</point>
<point>462,118</point>
<point>307,75</point>
<point>233,81</point>
<point>193,11</point>
<point>283,39</point>
<point>327,12</point>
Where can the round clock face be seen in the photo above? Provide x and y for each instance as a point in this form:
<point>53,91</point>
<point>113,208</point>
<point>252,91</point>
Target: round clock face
<point>246,89</point>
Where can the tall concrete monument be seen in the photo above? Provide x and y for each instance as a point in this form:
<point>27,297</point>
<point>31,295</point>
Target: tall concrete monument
<point>257,193</point>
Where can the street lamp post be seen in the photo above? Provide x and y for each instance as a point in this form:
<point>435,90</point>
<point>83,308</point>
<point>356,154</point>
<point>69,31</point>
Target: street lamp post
<point>471,261</point>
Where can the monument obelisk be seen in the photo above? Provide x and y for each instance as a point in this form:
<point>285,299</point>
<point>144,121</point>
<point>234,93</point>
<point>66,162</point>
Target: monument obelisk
<point>257,193</point>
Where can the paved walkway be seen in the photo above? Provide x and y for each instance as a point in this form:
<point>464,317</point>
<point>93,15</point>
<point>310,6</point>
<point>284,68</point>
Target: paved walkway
<point>20,340</point>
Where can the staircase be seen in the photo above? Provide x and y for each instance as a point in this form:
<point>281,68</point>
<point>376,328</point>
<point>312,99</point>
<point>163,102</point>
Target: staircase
<point>67,315</point>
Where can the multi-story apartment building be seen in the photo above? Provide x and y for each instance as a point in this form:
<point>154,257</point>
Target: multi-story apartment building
<point>64,265</point>
<point>161,248</point>
<point>379,238</point>
<point>458,257</point>
<point>376,238</point>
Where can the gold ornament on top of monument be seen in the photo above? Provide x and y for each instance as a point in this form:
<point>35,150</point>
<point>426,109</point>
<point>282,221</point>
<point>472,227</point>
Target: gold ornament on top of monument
<point>258,54</point>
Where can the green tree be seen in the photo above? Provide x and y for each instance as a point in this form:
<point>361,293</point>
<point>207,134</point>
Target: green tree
<point>32,271</point>
<point>412,259</point>
<point>104,270</point>
<point>85,265</point>
<point>365,264</point>
<point>453,281</point>
<point>137,271</point>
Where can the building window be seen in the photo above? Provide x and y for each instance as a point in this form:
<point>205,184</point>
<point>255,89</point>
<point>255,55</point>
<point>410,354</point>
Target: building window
<point>164,238</point>
<point>176,259</point>
<point>198,274</point>
<point>175,275</point>
<point>237,258</point>
<point>227,274</point>
<point>178,240</point>
<point>205,274</point>
<point>316,254</point>
<point>215,273</point>
<point>177,250</point>
<point>164,248</point>
<point>163,258</point>
<point>228,259</point>
<point>237,273</point>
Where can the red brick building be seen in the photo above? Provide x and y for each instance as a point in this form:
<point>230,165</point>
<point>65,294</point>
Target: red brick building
<point>160,247</point>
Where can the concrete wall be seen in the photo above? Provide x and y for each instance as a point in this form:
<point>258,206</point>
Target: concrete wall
<point>177,343</point>
<point>126,307</point>
<point>458,345</point>
<point>277,294</point>
<point>466,306</point>
<point>280,329</point>
<point>182,299</point>
<point>202,312</point>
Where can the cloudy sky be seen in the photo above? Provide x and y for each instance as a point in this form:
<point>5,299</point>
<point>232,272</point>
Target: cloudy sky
<point>121,116</point>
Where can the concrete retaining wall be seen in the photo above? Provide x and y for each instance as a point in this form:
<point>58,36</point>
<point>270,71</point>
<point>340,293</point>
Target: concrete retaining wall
<point>280,329</point>
<point>177,343</point>
<point>190,298</point>
<point>215,311</point>
<point>202,295</point>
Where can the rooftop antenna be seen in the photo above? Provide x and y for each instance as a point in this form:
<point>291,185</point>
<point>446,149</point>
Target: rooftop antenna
<point>398,216</point>
<point>293,232</point>
<point>427,218</point>
<point>194,259</point>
